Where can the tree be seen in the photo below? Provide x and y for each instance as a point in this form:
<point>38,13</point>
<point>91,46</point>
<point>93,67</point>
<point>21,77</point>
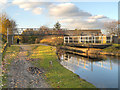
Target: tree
<point>6,22</point>
<point>57,26</point>
<point>112,28</point>
<point>44,28</point>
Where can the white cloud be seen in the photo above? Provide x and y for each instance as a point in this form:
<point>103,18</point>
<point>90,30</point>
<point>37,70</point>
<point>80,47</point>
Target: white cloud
<point>82,23</point>
<point>91,20</point>
<point>36,6</point>
<point>37,10</point>
<point>68,14</point>
<point>3,1</point>
<point>66,10</point>
<point>72,17</point>
<point>98,17</point>
<point>4,4</point>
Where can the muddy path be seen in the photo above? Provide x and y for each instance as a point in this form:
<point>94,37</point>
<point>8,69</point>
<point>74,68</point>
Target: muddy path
<point>22,74</point>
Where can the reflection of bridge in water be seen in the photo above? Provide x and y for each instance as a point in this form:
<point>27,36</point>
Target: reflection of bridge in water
<point>69,60</point>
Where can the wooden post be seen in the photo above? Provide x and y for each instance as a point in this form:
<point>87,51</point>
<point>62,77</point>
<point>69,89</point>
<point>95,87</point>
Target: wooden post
<point>64,40</point>
<point>88,39</point>
<point>91,65</point>
<point>68,58</point>
<point>110,65</point>
<point>12,39</point>
<point>102,39</point>
<point>80,39</point>
<point>94,39</point>
<point>68,39</point>
<point>110,39</point>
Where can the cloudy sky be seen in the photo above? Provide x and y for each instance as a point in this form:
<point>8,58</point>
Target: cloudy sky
<point>71,15</point>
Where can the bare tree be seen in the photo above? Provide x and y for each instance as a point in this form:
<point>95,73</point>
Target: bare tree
<point>112,28</point>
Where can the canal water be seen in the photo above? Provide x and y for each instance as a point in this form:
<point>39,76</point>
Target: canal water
<point>101,73</point>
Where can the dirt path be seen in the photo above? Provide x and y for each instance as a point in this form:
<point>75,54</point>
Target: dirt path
<point>22,73</point>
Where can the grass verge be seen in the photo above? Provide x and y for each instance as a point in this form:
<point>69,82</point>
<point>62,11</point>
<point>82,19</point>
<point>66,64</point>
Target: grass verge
<point>56,75</point>
<point>115,48</point>
<point>9,55</point>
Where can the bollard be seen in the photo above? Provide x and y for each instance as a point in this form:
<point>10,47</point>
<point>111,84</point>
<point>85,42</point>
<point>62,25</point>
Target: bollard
<point>50,64</point>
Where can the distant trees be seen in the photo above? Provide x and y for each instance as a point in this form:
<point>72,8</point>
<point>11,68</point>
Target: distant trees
<point>112,28</point>
<point>57,26</point>
<point>44,28</point>
<point>34,36</point>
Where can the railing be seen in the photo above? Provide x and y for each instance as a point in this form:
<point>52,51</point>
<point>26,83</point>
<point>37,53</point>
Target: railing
<point>88,39</point>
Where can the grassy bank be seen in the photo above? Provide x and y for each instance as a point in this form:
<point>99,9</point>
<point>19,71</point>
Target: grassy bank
<point>115,49</point>
<point>56,75</point>
<point>9,55</point>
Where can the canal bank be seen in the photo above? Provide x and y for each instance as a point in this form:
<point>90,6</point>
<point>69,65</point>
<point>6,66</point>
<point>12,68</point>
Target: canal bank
<point>55,74</point>
<point>113,50</point>
<point>101,73</point>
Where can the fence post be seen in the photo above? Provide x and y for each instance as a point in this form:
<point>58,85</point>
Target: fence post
<point>9,37</point>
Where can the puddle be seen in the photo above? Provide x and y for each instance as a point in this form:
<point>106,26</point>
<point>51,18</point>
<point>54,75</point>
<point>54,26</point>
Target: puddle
<point>34,70</point>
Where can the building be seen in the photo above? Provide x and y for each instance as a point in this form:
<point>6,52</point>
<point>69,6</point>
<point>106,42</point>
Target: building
<point>96,32</point>
<point>86,36</point>
<point>88,39</point>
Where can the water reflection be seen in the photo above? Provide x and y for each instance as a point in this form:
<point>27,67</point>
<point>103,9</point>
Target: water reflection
<point>103,74</point>
<point>86,63</point>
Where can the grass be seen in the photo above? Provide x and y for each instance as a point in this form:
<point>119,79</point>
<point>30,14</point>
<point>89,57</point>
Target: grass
<point>56,75</point>
<point>53,40</point>
<point>115,48</point>
<point>9,56</point>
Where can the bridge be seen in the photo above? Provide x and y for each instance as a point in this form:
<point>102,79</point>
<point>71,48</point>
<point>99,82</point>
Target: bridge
<point>68,39</point>
<point>11,33</point>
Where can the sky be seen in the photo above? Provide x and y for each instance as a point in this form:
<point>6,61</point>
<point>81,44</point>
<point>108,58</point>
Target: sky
<point>70,14</point>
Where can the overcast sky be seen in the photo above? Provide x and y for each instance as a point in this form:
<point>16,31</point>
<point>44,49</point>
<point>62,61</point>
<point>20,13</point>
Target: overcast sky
<point>71,15</point>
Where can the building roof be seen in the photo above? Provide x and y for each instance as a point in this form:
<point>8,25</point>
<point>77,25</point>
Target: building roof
<point>88,30</point>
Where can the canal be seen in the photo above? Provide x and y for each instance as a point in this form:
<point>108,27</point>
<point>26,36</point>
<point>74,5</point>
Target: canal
<point>101,73</point>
